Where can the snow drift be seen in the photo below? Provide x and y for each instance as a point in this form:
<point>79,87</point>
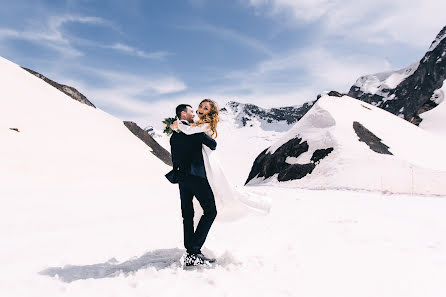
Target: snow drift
<point>346,143</point>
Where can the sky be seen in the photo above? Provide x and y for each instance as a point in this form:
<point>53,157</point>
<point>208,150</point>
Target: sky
<point>138,59</point>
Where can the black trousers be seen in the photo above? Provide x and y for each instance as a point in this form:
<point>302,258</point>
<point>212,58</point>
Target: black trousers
<point>191,186</point>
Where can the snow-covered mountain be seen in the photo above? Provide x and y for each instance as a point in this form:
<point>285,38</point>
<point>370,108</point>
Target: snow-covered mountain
<point>411,91</point>
<point>273,119</point>
<point>346,143</point>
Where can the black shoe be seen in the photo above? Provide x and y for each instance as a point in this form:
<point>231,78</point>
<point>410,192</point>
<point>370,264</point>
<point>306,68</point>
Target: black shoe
<point>205,259</point>
<point>193,260</point>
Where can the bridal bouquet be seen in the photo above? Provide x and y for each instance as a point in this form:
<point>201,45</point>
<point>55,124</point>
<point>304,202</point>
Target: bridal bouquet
<point>166,124</point>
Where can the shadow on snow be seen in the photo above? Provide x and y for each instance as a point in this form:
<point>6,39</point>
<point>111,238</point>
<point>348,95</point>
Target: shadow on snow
<point>159,259</point>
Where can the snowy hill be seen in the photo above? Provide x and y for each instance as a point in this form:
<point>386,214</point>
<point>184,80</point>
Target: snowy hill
<point>411,91</point>
<point>46,149</point>
<point>346,143</point>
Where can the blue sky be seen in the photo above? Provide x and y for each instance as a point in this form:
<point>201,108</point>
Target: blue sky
<point>138,59</point>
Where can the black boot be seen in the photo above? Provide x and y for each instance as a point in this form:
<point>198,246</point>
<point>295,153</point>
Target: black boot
<point>205,259</point>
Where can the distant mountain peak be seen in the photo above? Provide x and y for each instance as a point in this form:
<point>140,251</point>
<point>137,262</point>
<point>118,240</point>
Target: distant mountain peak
<point>279,119</point>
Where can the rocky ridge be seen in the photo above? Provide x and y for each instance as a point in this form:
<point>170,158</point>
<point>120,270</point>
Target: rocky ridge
<point>70,91</point>
<point>410,91</point>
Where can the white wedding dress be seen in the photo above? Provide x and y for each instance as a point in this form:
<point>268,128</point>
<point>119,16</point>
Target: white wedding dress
<point>232,203</point>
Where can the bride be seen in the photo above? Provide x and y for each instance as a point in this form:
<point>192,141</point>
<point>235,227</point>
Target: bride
<point>231,202</point>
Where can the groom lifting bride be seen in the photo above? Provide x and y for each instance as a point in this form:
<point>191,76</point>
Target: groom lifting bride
<point>190,173</point>
<point>199,174</point>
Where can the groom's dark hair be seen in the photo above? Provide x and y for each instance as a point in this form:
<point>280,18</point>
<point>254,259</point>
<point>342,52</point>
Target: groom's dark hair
<point>180,108</point>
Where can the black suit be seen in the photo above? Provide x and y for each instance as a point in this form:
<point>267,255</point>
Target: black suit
<point>189,170</point>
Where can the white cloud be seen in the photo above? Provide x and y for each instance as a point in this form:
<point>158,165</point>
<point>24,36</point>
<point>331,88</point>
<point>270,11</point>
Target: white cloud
<point>414,23</point>
<point>231,35</point>
<point>302,10</point>
<point>136,52</point>
<point>138,84</point>
<point>51,34</point>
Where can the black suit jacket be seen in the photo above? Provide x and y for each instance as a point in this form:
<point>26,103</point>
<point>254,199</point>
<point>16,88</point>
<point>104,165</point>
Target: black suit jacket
<point>187,157</point>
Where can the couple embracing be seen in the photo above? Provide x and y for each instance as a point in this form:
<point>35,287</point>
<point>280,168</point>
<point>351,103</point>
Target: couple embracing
<point>198,173</point>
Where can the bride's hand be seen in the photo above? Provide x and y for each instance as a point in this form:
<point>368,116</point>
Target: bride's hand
<point>174,125</point>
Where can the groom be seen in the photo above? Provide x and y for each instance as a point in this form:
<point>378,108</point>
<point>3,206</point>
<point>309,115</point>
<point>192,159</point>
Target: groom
<point>189,171</point>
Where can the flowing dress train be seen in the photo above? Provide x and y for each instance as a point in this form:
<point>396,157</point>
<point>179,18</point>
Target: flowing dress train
<point>232,202</point>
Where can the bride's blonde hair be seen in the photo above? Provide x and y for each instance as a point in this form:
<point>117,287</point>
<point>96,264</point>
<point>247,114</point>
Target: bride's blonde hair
<point>212,118</point>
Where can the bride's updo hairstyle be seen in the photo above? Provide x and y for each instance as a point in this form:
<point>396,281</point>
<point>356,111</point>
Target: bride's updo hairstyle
<point>212,118</point>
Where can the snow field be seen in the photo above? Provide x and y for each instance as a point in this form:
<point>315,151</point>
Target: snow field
<point>313,243</point>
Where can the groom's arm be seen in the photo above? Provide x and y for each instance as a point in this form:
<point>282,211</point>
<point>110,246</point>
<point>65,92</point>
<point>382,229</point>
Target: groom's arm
<point>207,140</point>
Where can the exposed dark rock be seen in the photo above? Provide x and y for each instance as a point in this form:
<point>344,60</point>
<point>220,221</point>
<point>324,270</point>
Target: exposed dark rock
<point>335,94</point>
<point>366,107</point>
<point>267,164</point>
<point>295,171</point>
<point>157,149</point>
<point>413,95</point>
<point>320,154</point>
<point>14,129</point>
<point>244,121</point>
<point>370,139</point>
<point>70,91</point>
<point>331,93</point>
<point>428,105</point>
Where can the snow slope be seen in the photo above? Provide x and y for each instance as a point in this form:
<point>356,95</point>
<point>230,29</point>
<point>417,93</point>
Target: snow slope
<point>47,149</point>
<point>417,164</point>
